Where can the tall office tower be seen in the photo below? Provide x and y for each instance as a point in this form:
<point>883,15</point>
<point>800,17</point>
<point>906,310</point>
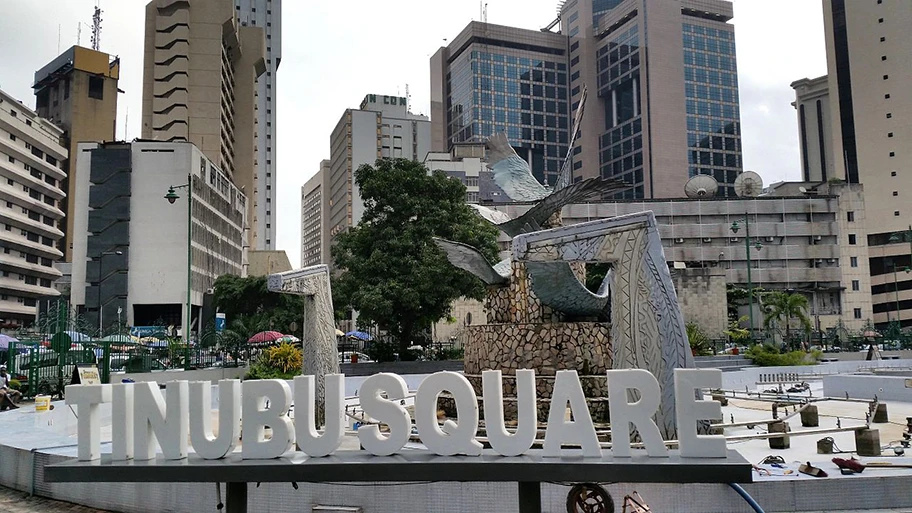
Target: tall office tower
<point>870,72</point>
<point>382,128</point>
<point>493,79</point>
<point>314,218</point>
<point>655,118</point>
<point>200,74</point>
<point>78,92</point>
<point>32,164</point>
<point>268,15</point>
<point>812,101</point>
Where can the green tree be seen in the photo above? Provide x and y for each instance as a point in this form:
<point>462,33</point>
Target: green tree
<point>389,268</point>
<point>248,300</point>
<point>782,306</point>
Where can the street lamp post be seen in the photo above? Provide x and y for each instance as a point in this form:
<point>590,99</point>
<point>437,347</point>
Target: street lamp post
<point>897,237</point>
<point>100,270</point>
<point>172,196</point>
<point>750,286</point>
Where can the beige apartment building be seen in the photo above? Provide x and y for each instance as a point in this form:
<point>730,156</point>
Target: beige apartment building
<point>854,126</point>
<point>200,74</point>
<point>33,171</point>
<point>77,91</point>
<point>314,218</point>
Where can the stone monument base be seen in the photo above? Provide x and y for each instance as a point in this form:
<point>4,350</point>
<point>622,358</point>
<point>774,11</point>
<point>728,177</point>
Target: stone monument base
<point>545,348</point>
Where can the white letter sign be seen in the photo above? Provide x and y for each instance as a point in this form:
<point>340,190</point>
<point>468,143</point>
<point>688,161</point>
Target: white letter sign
<point>309,441</point>
<point>387,411</point>
<point>689,411</point>
<point>567,389</point>
<point>211,447</point>
<point>454,438</point>
<point>257,417</point>
<point>155,421</point>
<point>86,398</point>
<point>638,413</point>
<point>502,442</point>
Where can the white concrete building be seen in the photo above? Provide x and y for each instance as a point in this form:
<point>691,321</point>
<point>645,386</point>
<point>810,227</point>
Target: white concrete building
<point>132,244</point>
<point>382,128</point>
<point>268,15</point>
<point>32,164</point>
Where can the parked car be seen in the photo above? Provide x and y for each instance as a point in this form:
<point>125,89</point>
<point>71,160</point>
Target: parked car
<point>353,357</point>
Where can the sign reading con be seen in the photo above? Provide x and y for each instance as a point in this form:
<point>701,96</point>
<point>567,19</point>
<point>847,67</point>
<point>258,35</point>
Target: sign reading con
<point>145,418</point>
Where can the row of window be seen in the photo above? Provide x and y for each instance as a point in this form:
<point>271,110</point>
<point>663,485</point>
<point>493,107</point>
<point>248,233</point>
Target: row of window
<point>521,61</point>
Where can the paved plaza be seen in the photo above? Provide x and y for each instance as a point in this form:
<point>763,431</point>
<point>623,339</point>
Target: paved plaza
<point>12,501</point>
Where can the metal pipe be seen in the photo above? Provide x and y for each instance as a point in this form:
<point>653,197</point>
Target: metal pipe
<point>746,496</point>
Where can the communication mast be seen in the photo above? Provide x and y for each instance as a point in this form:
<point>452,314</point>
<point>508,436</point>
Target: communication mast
<point>96,28</point>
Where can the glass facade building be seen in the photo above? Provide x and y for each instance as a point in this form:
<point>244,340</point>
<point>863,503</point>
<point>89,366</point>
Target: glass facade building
<point>666,93</point>
<point>502,79</point>
<point>713,114</point>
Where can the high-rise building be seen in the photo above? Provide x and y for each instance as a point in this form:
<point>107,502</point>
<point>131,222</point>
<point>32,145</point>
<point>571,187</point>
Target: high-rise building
<point>268,15</point>
<point>382,128</point>
<point>32,165</point>
<point>314,218</point>
<point>200,74</point>
<point>870,69</point>
<point>492,78</point>
<point>655,118</point>
<point>130,245</point>
<point>812,101</point>
<point>78,92</point>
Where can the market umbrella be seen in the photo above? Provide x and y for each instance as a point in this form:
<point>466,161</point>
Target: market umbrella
<point>265,336</point>
<point>360,335</point>
<point>5,341</point>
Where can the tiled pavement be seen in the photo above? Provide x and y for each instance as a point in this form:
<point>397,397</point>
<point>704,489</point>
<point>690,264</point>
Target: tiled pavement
<point>12,501</point>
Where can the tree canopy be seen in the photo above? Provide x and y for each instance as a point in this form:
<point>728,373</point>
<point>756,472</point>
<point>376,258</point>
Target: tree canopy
<point>388,267</point>
<point>247,302</point>
<point>783,306</point>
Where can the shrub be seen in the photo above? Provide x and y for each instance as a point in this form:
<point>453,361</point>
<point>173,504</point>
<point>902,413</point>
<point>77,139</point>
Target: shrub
<point>15,384</point>
<point>283,361</point>
<point>449,353</point>
<point>767,355</point>
<point>382,351</point>
<point>699,342</point>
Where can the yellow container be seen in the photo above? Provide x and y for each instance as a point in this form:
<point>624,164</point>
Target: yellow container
<point>42,403</point>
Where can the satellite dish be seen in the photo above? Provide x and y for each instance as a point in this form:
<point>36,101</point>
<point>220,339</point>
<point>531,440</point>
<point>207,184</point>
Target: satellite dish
<point>701,186</point>
<point>748,185</point>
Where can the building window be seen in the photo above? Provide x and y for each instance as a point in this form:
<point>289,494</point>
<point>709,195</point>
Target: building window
<point>12,137</point>
<point>852,239</point>
<point>896,213</point>
<point>892,173</point>
<point>883,57</point>
<point>856,286</point>
<point>880,20</point>
<point>892,154</point>
<point>889,134</point>
<point>896,193</point>
<point>883,39</point>
<point>887,96</point>
<point>850,217</point>
<point>96,88</point>
<point>857,313</point>
<point>853,261</point>
<point>886,77</point>
<point>889,115</point>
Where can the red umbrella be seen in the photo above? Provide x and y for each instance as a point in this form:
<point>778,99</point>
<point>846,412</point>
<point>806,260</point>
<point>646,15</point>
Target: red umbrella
<point>265,336</point>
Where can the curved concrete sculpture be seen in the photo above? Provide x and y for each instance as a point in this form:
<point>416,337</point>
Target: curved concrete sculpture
<point>319,338</point>
<point>647,330</point>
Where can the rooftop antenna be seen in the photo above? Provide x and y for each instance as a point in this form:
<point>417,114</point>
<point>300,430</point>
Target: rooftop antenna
<point>484,14</point>
<point>96,28</point>
<point>408,99</point>
<point>79,33</point>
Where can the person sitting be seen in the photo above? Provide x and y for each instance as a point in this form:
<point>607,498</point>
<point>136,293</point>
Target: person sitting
<point>8,396</point>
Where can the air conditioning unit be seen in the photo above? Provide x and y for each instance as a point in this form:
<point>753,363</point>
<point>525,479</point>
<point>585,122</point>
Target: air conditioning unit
<point>679,240</point>
<point>707,239</point>
<point>734,239</point>
<point>818,237</point>
<point>769,239</point>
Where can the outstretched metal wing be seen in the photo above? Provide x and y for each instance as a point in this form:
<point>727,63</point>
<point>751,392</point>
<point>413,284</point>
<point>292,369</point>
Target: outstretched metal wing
<point>511,172</point>
<point>557,286</point>
<point>469,259</point>
<point>576,193</point>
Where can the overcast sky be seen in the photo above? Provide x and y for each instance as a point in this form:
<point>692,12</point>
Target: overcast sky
<point>336,52</point>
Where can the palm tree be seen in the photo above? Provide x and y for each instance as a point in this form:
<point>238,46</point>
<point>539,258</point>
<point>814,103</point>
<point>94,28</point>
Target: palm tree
<point>785,306</point>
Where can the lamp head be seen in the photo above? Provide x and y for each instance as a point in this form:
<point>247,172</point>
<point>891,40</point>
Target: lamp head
<point>735,227</point>
<point>758,246</point>
<point>171,196</point>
